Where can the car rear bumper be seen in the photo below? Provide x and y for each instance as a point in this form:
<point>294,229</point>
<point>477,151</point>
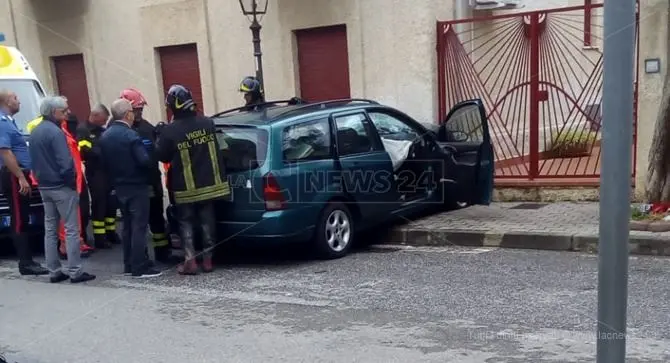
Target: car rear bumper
<point>247,233</point>
<point>273,227</point>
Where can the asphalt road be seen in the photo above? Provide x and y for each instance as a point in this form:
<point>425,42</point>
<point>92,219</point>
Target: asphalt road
<point>412,305</point>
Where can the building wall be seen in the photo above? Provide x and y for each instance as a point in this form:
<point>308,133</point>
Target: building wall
<point>391,53</point>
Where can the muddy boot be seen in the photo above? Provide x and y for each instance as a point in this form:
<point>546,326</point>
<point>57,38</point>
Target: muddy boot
<point>207,265</point>
<point>189,267</point>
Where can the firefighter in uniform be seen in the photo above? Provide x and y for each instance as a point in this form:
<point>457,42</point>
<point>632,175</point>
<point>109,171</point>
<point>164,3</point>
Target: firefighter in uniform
<point>82,187</point>
<point>103,208</point>
<point>197,174</point>
<point>253,95</point>
<point>157,223</point>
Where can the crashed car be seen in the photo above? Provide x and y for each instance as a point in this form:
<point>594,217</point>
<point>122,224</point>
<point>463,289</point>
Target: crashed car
<point>323,172</point>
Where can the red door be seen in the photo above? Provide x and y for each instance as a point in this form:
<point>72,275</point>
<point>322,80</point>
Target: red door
<point>323,63</point>
<point>179,64</point>
<point>71,82</point>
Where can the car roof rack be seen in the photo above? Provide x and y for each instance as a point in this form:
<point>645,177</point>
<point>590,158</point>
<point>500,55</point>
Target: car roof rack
<point>323,104</point>
<point>237,109</point>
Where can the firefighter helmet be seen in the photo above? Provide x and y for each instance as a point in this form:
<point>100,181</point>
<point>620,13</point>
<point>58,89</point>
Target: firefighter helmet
<point>250,85</point>
<point>134,96</point>
<point>179,99</point>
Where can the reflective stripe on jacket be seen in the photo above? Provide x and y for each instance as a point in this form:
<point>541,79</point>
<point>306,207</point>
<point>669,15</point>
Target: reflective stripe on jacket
<point>197,172</point>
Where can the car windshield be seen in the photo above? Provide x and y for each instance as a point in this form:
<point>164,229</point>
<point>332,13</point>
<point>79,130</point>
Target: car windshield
<point>30,95</point>
<point>243,147</point>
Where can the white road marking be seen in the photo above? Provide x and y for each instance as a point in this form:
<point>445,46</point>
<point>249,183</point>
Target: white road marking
<point>430,249</point>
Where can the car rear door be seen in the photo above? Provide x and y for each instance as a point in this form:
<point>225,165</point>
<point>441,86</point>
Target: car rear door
<point>465,135</point>
<point>366,169</point>
<point>244,149</point>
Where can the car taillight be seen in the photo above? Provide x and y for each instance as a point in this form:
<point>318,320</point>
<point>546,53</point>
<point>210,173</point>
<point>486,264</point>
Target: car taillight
<point>274,200</point>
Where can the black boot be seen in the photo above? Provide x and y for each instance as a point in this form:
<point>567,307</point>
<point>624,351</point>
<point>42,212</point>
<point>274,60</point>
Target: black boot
<point>164,255</point>
<point>110,228</point>
<point>113,238</point>
<point>101,241</point>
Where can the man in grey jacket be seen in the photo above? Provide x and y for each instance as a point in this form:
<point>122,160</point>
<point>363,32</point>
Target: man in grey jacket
<point>54,169</point>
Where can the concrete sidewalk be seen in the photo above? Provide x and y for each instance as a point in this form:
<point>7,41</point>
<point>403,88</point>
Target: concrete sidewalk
<point>564,226</point>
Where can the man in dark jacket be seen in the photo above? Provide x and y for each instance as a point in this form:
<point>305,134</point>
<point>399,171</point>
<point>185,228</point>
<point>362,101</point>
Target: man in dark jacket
<point>146,130</point>
<point>103,208</point>
<point>127,164</point>
<point>197,174</point>
<point>56,175</point>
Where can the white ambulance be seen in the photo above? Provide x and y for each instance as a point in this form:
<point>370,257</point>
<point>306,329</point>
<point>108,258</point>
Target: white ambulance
<point>17,76</point>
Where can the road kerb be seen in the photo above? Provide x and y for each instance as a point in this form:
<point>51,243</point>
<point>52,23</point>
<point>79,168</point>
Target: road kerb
<point>639,245</point>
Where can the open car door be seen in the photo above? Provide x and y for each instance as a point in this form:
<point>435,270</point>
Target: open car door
<point>464,135</point>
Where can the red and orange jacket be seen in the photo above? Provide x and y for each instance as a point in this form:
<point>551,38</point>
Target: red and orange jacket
<point>73,145</point>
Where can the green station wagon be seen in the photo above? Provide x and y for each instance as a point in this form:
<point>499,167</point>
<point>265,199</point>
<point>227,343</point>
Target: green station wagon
<point>323,172</point>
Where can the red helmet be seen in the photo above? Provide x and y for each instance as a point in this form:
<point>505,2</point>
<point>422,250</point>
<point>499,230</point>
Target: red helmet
<point>134,96</point>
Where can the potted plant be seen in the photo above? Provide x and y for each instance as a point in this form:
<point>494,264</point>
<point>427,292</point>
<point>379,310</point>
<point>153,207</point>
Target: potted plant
<point>572,143</point>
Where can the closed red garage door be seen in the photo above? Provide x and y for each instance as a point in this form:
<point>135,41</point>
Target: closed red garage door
<point>323,63</point>
<point>179,64</point>
<point>71,81</point>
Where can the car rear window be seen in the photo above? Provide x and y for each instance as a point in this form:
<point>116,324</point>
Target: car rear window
<point>307,141</point>
<point>243,147</point>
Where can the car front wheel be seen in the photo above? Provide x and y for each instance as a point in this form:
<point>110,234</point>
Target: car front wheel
<point>334,231</point>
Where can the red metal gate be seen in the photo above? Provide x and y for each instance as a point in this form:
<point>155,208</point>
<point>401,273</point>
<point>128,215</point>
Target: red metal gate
<point>540,75</point>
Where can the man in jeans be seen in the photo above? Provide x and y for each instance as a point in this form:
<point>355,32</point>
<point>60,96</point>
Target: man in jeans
<point>57,180</point>
<point>127,163</point>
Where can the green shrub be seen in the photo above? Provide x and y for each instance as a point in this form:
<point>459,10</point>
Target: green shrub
<point>573,141</point>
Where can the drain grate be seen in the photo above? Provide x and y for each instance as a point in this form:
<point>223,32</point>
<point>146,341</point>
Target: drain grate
<point>530,206</point>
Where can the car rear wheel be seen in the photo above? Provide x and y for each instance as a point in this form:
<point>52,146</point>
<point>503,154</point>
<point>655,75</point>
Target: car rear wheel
<point>334,231</point>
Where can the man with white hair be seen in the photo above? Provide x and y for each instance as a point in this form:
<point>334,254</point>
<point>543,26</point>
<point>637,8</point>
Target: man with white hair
<point>127,164</point>
<point>56,175</point>
<point>15,167</point>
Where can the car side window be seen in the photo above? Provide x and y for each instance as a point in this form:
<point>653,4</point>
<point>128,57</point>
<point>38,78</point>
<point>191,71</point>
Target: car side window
<point>465,125</point>
<point>392,127</point>
<point>307,141</point>
<point>352,135</point>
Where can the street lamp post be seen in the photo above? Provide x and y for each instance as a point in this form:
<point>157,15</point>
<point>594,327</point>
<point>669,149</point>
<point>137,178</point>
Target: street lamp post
<point>252,9</point>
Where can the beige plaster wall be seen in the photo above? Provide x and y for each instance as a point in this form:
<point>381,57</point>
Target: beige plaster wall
<point>391,53</point>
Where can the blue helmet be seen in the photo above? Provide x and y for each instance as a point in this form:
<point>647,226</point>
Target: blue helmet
<point>250,85</point>
<point>179,99</point>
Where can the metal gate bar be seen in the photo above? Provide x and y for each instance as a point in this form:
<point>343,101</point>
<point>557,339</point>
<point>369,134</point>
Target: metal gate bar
<point>539,73</point>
